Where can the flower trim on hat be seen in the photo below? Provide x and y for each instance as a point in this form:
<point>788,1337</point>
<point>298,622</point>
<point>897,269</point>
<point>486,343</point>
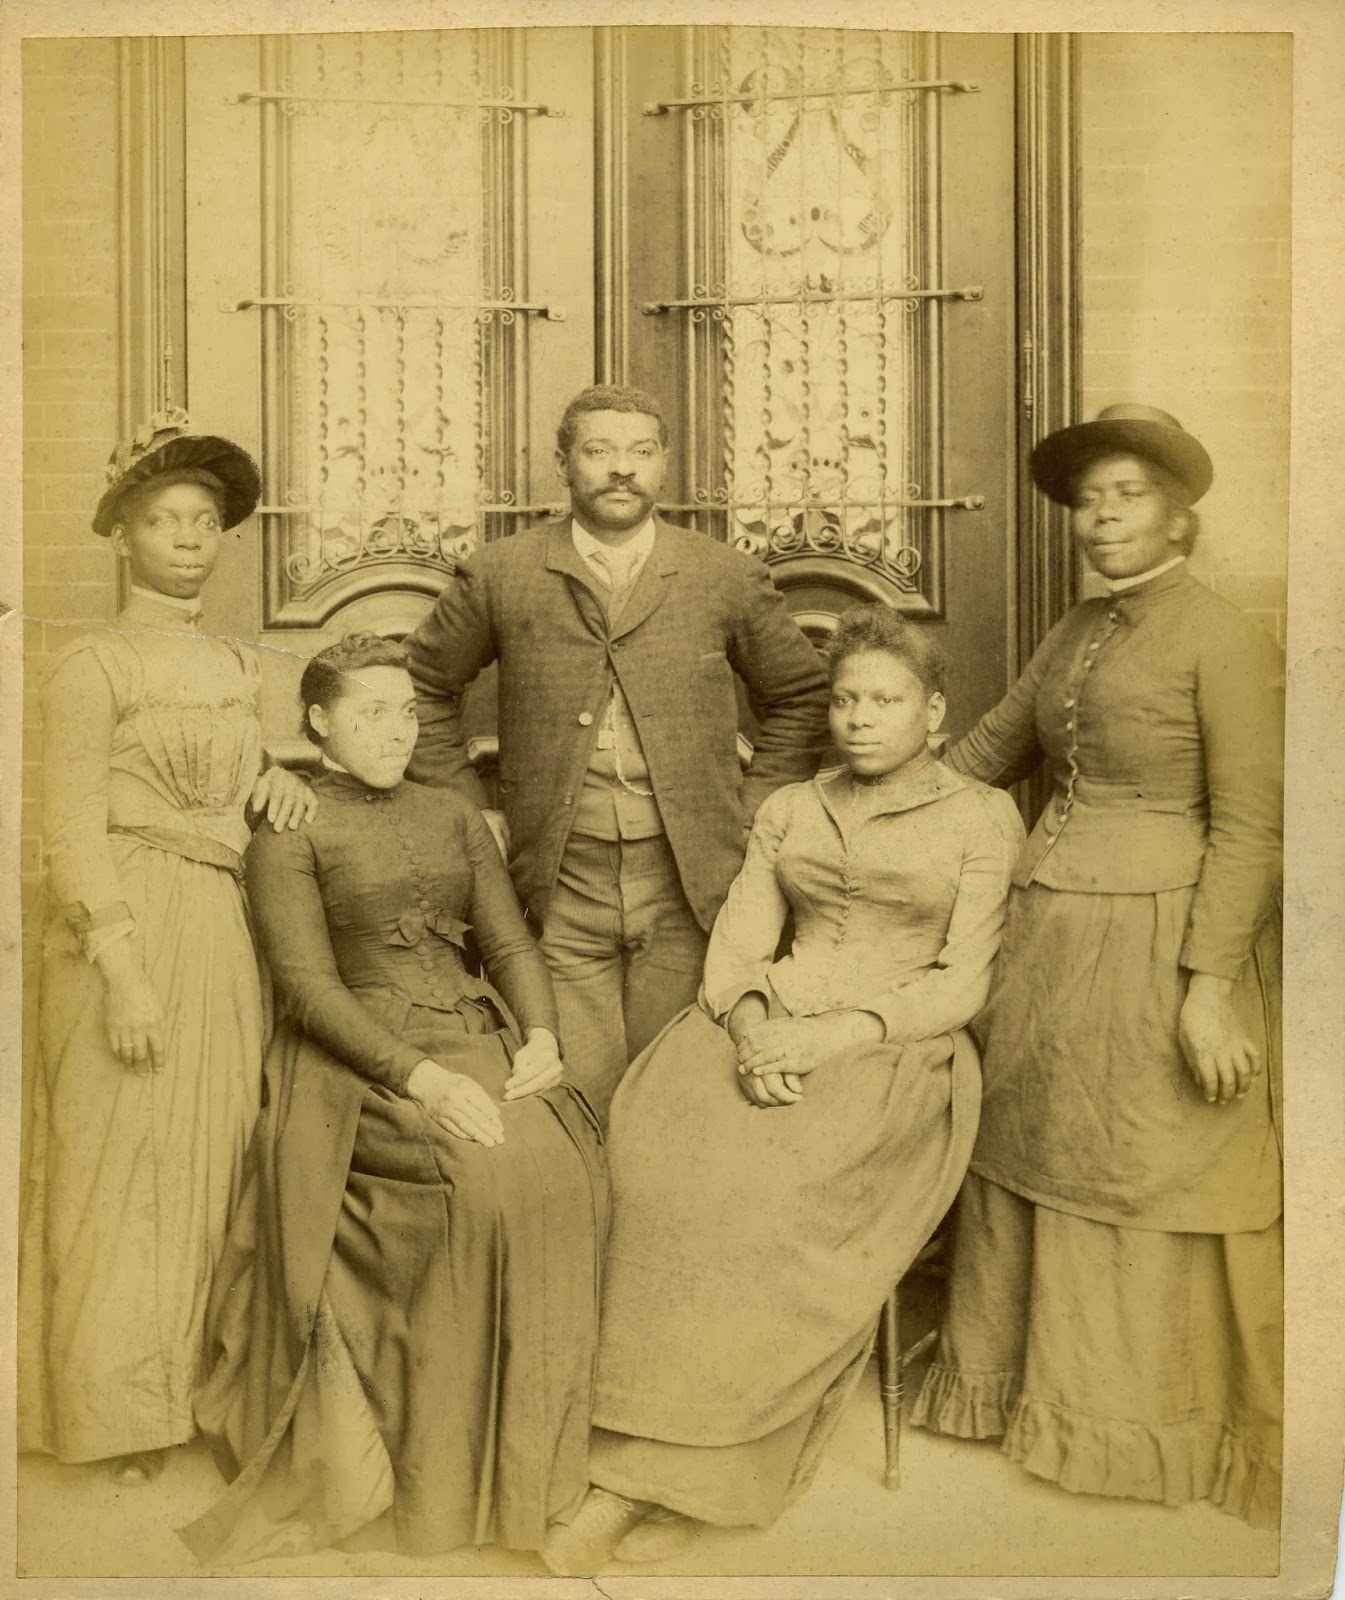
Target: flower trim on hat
<point>151,435</point>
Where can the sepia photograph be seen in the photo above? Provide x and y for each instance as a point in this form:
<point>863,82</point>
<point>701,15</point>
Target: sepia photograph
<point>584,580</point>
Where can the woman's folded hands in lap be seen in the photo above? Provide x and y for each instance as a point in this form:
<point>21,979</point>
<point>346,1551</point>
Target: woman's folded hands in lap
<point>774,1056</point>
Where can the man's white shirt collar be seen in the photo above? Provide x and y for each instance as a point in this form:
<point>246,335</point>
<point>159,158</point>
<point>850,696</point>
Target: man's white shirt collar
<point>635,550</point>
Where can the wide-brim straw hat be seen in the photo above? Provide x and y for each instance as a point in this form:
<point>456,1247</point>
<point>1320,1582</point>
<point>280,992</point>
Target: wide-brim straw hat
<point>166,444</point>
<point>1129,430</point>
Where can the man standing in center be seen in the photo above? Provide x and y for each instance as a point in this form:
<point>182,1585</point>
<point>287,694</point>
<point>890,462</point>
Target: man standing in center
<point>625,807</point>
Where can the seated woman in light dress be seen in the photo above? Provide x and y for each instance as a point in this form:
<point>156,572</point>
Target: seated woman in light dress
<point>402,1333</point>
<point>750,1255</point>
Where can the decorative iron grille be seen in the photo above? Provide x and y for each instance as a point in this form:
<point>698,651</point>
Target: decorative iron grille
<point>813,299</point>
<point>394,344</point>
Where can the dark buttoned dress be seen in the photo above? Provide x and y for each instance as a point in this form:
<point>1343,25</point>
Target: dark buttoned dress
<point>402,1332</point>
<point>1115,1301</point>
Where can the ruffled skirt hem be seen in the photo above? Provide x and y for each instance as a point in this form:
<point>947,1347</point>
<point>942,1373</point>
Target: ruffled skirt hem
<point>965,1405</point>
<point>1174,1464</point>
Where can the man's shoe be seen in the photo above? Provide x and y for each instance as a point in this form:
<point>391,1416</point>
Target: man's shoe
<point>585,1546</point>
<point>662,1534</point>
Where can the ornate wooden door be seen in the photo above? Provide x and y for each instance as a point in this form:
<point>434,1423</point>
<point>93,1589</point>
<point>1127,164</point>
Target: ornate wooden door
<point>389,294</point>
<point>404,251</point>
<point>831,314</point>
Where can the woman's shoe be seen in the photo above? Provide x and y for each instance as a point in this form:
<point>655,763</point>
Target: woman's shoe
<point>582,1547</point>
<point>134,1471</point>
<point>662,1534</point>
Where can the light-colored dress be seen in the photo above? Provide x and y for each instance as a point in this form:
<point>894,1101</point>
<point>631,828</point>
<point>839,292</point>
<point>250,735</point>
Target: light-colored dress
<point>152,746</point>
<point>752,1249</point>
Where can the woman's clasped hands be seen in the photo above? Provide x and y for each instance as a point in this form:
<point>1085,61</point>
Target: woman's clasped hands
<point>775,1055</point>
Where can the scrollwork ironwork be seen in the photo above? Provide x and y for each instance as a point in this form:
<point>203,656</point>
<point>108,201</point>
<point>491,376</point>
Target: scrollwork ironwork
<point>399,275</point>
<point>336,548</point>
<point>862,535</point>
<point>820,219</point>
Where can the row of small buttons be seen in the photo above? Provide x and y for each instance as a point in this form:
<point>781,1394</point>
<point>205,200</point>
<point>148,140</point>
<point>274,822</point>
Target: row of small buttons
<point>418,876</point>
<point>1066,805</point>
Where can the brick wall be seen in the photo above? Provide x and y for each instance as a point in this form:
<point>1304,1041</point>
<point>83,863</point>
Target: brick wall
<point>69,342</point>
<point>70,384</point>
<point>1186,233</point>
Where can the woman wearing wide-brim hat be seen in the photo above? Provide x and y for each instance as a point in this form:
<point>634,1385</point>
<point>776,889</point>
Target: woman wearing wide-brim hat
<point>1114,1308</point>
<point>150,1012</point>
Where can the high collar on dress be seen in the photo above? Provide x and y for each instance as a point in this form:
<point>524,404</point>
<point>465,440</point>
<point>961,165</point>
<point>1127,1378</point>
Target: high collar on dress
<point>162,612</point>
<point>345,785</point>
<point>1125,585</point>
<point>921,783</point>
<point>1129,604</point>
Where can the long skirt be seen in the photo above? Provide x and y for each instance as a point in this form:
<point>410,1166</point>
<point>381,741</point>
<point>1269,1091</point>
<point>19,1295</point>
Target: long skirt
<point>1114,1361</point>
<point>403,1330</point>
<point>750,1255</point>
<point>132,1177</point>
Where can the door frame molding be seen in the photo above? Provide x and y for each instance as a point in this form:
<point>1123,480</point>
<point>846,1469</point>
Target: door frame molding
<point>1047,225</point>
<point>151,229</point>
<point>151,338</point>
<point>1049,388</point>
<point>611,198</point>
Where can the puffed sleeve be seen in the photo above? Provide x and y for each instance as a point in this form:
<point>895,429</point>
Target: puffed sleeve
<point>949,994</point>
<point>1240,707</point>
<point>511,955</point>
<point>1003,747</point>
<point>79,718</point>
<point>747,930</point>
<point>282,882</point>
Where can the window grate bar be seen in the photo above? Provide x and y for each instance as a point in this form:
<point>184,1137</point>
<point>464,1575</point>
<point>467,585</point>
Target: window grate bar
<point>966,502</point>
<point>286,303</point>
<point>659,108</point>
<point>653,308</point>
<point>285,97</point>
<point>507,510</point>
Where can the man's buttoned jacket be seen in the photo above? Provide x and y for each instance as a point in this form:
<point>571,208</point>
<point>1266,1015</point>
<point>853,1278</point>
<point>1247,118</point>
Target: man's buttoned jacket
<point>700,615</point>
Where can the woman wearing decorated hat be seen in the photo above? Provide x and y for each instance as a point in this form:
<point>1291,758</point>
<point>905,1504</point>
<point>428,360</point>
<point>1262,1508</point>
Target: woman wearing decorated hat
<point>150,1011</point>
<point>1114,1306</point>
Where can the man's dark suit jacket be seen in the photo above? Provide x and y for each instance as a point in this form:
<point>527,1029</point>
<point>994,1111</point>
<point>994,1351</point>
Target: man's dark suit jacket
<point>699,613</point>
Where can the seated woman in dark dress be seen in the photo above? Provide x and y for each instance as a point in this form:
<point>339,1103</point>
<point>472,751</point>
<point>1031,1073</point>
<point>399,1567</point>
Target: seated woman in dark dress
<point>750,1255</point>
<point>402,1330</point>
